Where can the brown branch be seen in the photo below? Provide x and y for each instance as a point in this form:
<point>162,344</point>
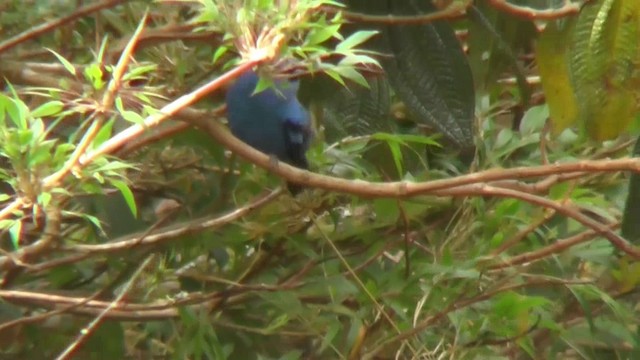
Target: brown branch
<point>463,303</point>
<point>555,248</point>
<point>521,235</point>
<point>402,189</point>
<point>454,10</point>
<point>572,212</point>
<point>176,231</point>
<point>87,331</point>
<point>567,9</point>
<point>105,107</point>
<point>51,25</point>
<point>51,233</point>
<point>153,120</point>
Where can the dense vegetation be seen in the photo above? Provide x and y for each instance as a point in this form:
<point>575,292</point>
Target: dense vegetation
<point>470,196</point>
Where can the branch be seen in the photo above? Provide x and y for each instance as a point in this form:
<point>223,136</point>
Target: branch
<point>153,120</point>
<point>453,10</point>
<point>51,25</point>
<point>555,248</point>
<point>568,8</point>
<point>403,189</point>
<point>176,231</point>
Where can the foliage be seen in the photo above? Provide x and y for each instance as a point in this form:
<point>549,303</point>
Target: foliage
<point>130,231</point>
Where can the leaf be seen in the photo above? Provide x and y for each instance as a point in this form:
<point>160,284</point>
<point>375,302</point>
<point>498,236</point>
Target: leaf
<point>220,51</point>
<point>66,63</point>
<point>321,34</point>
<point>127,194</point>
<point>128,115</point>
<point>354,40</point>
<point>15,232</point>
<point>533,120</point>
<point>553,64</point>
<point>353,110</point>
<point>138,71</point>
<point>94,74</point>
<point>48,109</point>
<point>427,68</point>
<point>631,217</point>
<point>602,62</point>
<point>16,109</point>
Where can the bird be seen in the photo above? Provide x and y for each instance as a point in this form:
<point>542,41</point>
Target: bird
<point>272,121</point>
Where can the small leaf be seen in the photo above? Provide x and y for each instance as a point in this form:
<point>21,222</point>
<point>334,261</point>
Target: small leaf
<point>137,72</point>
<point>128,115</point>
<point>93,73</point>
<point>67,65</point>
<point>127,194</point>
<point>321,34</point>
<point>534,119</point>
<point>220,51</point>
<point>354,40</point>
<point>397,155</point>
<point>48,109</point>
<point>15,231</point>
<point>103,134</point>
<point>44,199</point>
<point>351,74</point>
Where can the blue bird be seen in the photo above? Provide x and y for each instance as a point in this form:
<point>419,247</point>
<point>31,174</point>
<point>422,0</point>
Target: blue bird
<point>272,121</point>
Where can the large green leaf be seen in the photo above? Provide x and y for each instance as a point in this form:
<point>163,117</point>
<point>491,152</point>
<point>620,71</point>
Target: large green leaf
<point>426,67</point>
<point>356,110</point>
<point>602,62</point>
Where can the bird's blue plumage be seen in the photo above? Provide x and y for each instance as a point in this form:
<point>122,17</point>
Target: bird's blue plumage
<point>272,121</point>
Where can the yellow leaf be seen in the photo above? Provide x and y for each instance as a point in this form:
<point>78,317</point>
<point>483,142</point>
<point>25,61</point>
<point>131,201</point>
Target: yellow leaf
<point>551,57</point>
<point>614,116</point>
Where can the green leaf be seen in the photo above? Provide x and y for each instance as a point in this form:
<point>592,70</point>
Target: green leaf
<point>427,68</point>
<point>602,62</point>
<point>17,110</point>
<point>127,194</point>
<point>103,134</point>
<point>44,198</point>
<point>48,109</point>
<point>534,119</point>
<point>15,232</point>
<point>352,74</point>
<point>321,34</point>
<point>67,65</point>
<point>220,51</point>
<point>138,71</point>
<point>355,39</point>
<point>353,110</point>
<point>128,115</point>
<point>93,73</point>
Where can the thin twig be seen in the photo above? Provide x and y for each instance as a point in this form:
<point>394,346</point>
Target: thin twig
<point>86,332</point>
<point>51,25</point>
<point>177,231</point>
